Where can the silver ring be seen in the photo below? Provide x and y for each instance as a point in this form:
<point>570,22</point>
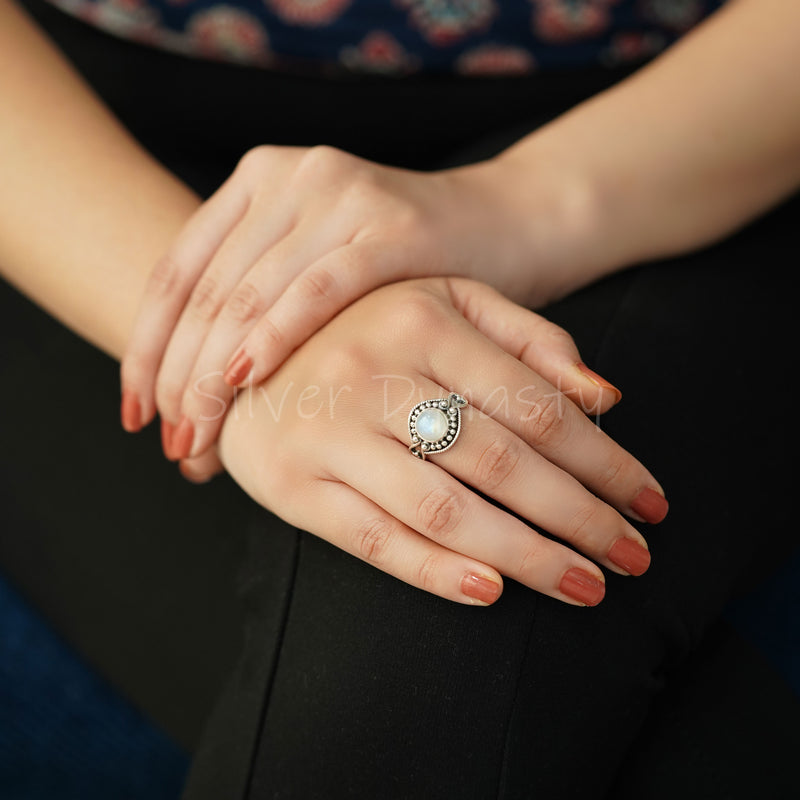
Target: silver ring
<point>434,425</point>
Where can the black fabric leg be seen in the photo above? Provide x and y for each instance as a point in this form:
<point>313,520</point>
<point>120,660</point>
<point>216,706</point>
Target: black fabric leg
<point>351,684</point>
<point>380,690</point>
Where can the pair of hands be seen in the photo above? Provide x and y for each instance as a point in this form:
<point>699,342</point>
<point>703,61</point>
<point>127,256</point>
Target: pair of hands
<point>275,260</point>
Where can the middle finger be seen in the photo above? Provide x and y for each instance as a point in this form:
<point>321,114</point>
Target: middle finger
<point>496,462</point>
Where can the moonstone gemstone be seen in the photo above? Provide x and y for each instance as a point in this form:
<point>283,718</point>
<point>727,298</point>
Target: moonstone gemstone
<point>431,424</point>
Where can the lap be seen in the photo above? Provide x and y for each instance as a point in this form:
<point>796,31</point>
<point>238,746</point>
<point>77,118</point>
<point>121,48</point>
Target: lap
<point>349,683</point>
<point>373,688</point>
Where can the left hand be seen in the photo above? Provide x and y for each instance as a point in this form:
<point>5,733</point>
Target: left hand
<point>324,444</point>
<point>293,237</point>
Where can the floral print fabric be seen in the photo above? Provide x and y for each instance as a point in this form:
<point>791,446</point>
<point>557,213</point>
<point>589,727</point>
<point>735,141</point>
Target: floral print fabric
<point>401,37</point>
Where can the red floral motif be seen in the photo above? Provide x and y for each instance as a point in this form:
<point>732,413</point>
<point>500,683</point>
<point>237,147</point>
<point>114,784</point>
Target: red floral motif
<point>626,48</point>
<point>443,22</point>
<point>569,20</point>
<point>680,15</point>
<point>130,19</point>
<point>495,59</point>
<point>379,52</point>
<point>308,12</point>
<point>227,34</point>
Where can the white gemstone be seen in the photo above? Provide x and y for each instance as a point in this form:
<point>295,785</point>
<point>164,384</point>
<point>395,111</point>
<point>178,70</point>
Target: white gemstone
<point>431,425</point>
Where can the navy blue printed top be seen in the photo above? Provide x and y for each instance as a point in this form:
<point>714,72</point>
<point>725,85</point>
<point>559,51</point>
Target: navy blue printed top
<point>400,37</point>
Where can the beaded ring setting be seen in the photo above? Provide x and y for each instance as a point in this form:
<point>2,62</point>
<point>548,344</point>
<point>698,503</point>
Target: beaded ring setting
<point>434,425</point>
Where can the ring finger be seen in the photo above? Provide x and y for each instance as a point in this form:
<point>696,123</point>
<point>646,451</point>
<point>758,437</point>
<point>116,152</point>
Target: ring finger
<point>496,462</point>
<point>431,501</point>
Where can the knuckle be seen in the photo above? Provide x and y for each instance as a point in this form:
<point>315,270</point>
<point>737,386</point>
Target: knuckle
<point>166,277</point>
<point>496,464</point>
<point>206,300</point>
<point>257,158</point>
<point>440,512</point>
<point>529,563</point>
<point>422,313</point>
<point>268,336</point>
<point>558,335</point>
<point>410,219</point>
<point>138,367</point>
<point>245,304</point>
<point>613,472</point>
<point>545,421</point>
<point>318,284</point>
<point>428,572</point>
<point>169,398</point>
<point>372,540</point>
<point>350,363</point>
<point>363,192</point>
<point>321,161</point>
<point>583,523</point>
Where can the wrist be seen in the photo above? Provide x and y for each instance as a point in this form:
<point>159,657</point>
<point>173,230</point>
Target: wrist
<point>550,220</point>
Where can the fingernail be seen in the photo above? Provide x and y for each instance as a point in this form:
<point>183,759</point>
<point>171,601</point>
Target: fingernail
<point>167,431</point>
<point>238,369</point>
<point>583,587</point>
<point>597,380</point>
<point>480,588</point>
<point>130,411</point>
<point>190,476</point>
<point>182,438</point>
<point>630,556</point>
<point>651,506</point>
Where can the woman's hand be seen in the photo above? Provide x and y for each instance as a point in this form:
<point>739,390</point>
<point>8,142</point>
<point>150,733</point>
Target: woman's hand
<point>324,443</point>
<point>291,239</point>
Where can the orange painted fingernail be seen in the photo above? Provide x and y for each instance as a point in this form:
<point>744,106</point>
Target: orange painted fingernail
<point>480,588</point>
<point>583,587</point>
<point>182,438</point>
<point>167,429</point>
<point>598,380</point>
<point>630,556</point>
<point>651,506</point>
<point>130,411</point>
<point>238,369</point>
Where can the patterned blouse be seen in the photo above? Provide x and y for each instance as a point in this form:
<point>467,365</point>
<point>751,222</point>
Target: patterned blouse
<point>400,37</point>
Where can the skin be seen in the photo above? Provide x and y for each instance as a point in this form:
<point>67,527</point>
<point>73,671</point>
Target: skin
<point>337,431</point>
<point>81,248</point>
<point>237,271</point>
<point>684,152</point>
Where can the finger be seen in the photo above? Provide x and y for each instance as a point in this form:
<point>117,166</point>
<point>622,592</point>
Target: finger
<point>350,521</point>
<point>540,344</point>
<point>500,465</point>
<point>311,300</point>
<point>206,395</point>
<point>201,469</point>
<point>541,415</point>
<point>429,500</point>
<point>165,295</point>
<point>254,235</point>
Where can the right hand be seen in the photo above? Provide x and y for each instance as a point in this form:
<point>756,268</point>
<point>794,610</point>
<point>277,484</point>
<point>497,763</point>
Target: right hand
<point>323,443</point>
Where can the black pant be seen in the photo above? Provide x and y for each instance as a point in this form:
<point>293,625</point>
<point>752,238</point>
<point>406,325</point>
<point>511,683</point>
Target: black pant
<point>339,681</point>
